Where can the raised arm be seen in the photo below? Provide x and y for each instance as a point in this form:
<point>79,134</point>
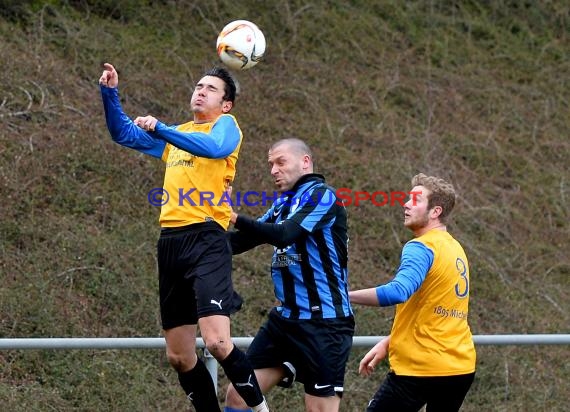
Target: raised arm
<point>218,144</point>
<point>122,129</point>
<point>222,140</point>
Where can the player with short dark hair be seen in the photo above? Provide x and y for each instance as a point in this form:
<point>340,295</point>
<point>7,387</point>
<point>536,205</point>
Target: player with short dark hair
<point>194,258</point>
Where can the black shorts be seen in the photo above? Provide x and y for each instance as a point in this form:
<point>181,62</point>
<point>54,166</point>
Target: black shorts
<point>317,348</point>
<point>411,393</point>
<point>194,274</point>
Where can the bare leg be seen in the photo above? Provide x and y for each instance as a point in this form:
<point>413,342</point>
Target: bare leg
<point>192,373</point>
<point>215,330</point>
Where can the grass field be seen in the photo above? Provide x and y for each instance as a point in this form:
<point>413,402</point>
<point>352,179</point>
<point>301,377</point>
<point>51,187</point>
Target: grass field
<point>476,92</point>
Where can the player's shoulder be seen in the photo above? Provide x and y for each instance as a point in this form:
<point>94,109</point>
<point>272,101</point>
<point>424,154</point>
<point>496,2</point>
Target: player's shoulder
<point>433,240</point>
<point>418,245</point>
<point>227,121</point>
<point>227,117</point>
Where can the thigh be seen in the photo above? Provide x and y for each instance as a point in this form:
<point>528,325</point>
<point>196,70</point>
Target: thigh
<point>265,350</point>
<point>322,404</point>
<point>215,330</point>
<point>322,348</point>
<point>181,344</point>
<point>176,292</point>
<point>268,377</point>
<point>446,393</point>
<point>397,394</point>
<point>212,274</point>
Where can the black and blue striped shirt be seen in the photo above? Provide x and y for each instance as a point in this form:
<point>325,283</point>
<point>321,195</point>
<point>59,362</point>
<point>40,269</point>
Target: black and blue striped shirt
<point>308,228</point>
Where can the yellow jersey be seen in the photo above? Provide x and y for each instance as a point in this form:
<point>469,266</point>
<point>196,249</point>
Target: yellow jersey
<point>430,335</point>
<point>195,185</point>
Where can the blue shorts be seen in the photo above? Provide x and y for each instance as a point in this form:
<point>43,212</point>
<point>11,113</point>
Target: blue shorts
<point>195,274</point>
<point>317,348</point>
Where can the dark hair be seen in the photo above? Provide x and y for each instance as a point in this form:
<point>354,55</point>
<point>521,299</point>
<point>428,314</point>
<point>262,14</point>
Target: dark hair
<point>230,88</point>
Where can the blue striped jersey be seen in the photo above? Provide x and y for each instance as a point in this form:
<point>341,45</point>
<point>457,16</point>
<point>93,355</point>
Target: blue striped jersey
<point>310,276</point>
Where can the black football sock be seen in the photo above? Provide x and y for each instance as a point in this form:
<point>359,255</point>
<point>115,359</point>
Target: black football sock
<point>240,373</point>
<point>199,388</point>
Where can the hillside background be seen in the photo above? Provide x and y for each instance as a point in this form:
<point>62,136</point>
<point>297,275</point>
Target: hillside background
<point>476,92</point>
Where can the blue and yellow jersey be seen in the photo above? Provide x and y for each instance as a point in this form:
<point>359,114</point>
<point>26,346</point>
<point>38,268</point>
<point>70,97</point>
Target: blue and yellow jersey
<point>200,162</point>
<point>430,335</point>
<point>197,183</point>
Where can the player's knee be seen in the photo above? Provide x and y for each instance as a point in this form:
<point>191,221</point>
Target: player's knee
<point>180,362</point>
<point>219,348</point>
<point>289,375</point>
<point>176,362</point>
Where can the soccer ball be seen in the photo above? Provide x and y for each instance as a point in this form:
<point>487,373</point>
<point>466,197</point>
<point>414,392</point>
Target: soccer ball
<point>240,45</point>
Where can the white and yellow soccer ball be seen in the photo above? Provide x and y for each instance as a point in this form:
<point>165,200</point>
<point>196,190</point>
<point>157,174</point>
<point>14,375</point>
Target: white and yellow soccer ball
<point>240,45</point>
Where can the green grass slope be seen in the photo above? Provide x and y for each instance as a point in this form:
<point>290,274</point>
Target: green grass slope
<point>477,92</point>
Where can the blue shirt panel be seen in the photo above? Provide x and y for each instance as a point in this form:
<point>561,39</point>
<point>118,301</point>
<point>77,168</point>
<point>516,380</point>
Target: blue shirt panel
<point>416,262</point>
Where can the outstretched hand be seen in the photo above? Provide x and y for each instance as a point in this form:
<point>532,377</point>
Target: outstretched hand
<point>109,78</point>
<point>374,357</point>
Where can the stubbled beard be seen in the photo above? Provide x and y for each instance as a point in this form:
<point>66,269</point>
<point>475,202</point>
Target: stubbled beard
<point>418,222</point>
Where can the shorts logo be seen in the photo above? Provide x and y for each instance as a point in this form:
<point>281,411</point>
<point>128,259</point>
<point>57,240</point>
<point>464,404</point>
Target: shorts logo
<point>248,383</point>
<point>317,386</point>
<point>219,304</point>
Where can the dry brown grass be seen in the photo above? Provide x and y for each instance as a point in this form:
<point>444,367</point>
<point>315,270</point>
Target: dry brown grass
<point>476,93</point>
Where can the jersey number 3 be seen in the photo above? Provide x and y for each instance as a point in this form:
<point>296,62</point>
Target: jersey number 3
<point>461,287</point>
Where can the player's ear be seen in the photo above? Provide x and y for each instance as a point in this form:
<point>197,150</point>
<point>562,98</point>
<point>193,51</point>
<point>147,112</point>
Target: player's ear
<point>306,161</point>
<point>227,106</point>
<point>436,211</point>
